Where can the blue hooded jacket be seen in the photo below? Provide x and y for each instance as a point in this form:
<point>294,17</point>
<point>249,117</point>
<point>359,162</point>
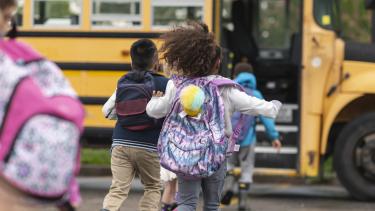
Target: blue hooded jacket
<point>248,80</point>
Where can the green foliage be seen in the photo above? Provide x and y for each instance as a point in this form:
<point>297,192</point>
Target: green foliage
<point>57,10</point>
<point>356,21</point>
<point>95,156</point>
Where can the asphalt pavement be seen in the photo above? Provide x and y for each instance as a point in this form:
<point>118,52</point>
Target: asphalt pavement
<point>263,197</point>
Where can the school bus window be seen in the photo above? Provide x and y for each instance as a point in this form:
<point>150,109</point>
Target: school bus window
<point>358,18</point>
<point>19,14</point>
<point>57,12</point>
<point>226,13</point>
<point>168,13</point>
<point>116,13</point>
<point>327,13</point>
<point>272,28</point>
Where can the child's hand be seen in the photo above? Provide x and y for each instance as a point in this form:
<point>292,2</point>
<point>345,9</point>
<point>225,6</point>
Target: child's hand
<point>277,145</point>
<point>157,93</point>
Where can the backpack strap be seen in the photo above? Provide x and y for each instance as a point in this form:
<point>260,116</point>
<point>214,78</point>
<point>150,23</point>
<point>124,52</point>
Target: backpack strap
<point>19,52</point>
<point>233,147</point>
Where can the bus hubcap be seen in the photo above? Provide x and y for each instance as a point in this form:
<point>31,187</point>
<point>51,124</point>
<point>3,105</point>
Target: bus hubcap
<point>366,156</point>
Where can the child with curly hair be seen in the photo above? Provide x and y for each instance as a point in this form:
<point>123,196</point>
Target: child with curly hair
<point>194,53</point>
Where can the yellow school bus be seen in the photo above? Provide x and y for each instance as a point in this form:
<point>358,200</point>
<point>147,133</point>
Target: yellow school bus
<point>90,41</point>
<point>326,83</point>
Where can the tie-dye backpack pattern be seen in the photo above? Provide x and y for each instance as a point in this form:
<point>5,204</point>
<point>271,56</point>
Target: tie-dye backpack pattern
<point>41,120</point>
<point>196,147</point>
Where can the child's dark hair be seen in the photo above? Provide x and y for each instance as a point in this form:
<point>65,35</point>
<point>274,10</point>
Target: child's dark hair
<point>143,54</point>
<point>7,3</point>
<point>191,50</point>
<point>241,68</point>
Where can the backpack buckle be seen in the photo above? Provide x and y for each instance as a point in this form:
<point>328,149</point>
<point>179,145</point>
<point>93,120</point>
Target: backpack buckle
<point>183,114</point>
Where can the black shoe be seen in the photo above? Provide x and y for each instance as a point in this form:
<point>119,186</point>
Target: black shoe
<point>174,206</point>
<point>244,209</point>
<point>66,206</point>
<point>227,198</point>
<point>104,210</point>
<point>169,207</point>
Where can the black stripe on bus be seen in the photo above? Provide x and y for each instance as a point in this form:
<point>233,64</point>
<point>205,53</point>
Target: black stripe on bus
<point>97,137</point>
<point>94,66</point>
<point>93,100</point>
<point>88,34</point>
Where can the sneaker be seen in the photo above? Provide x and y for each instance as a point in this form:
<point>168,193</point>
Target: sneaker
<point>168,207</point>
<point>243,197</point>
<point>226,199</point>
<point>244,209</point>
<point>174,206</point>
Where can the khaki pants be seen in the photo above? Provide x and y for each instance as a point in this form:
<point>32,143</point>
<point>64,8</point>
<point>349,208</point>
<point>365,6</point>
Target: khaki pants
<point>125,163</point>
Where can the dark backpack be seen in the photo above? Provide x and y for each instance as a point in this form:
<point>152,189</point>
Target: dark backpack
<point>134,91</point>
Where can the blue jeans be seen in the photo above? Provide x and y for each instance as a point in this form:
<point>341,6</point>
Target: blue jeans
<point>188,191</point>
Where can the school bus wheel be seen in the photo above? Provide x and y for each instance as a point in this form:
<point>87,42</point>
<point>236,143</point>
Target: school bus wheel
<point>354,157</point>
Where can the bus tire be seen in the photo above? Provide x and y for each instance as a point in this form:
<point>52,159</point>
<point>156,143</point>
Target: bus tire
<point>354,157</point>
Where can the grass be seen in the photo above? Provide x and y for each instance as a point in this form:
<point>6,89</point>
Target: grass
<point>95,156</point>
<point>328,167</point>
<point>91,156</point>
<point>329,174</point>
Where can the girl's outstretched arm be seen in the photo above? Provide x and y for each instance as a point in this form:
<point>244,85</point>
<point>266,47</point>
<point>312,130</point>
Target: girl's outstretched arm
<point>108,109</point>
<point>159,105</point>
<point>251,105</point>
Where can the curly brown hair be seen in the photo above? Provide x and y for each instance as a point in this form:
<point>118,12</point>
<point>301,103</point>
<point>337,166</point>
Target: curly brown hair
<point>191,49</point>
<point>7,3</point>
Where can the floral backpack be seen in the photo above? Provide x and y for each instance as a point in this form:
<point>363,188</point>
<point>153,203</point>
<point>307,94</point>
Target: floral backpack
<point>196,147</point>
<point>41,120</point>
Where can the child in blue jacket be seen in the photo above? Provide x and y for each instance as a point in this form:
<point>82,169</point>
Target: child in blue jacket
<point>245,157</point>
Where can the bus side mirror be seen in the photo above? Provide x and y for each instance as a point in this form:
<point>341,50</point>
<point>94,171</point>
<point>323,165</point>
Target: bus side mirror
<point>370,4</point>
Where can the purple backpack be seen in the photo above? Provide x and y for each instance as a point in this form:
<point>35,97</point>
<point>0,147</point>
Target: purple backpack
<point>41,120</point>
<point>248,120</point>
<point>197,147</point>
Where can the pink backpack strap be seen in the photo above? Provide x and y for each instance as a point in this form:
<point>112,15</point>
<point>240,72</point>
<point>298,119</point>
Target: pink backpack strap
<point>18,51</point>
<point>61,106</point>
<point>74,196</point>
<point>237,128</point>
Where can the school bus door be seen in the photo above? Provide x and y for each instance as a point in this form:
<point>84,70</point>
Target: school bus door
<point>267,34</point>
<point>321,57</point>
